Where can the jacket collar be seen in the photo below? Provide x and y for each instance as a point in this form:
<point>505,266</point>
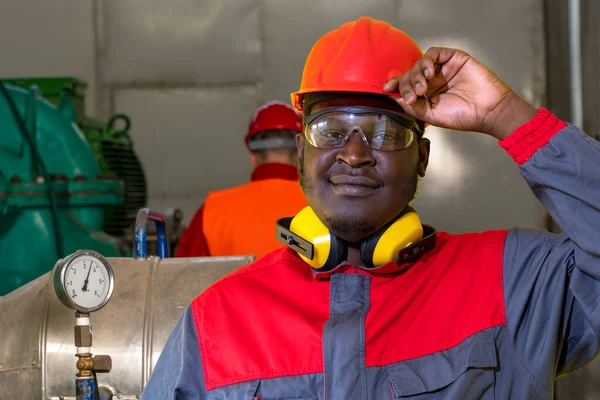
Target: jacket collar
<point>275,171</point>
<point>406,259</point>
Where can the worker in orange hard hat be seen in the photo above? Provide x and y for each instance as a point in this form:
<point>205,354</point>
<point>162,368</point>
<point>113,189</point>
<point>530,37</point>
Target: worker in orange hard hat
<point>366,302</point>
<point>241,220</point>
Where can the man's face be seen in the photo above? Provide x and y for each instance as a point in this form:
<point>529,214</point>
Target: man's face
<point>355,190</point>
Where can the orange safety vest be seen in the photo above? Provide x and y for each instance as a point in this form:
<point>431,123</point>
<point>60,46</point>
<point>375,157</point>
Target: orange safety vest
<point>241,220</point>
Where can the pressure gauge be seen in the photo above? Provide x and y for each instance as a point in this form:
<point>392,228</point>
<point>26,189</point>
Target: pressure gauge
<point>84,281</point>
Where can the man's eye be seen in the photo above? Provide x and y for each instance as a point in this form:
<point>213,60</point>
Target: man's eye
<point>384,136</point>
<point>331,134</point>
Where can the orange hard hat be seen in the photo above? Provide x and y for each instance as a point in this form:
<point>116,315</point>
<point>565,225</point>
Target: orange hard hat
<point>359,56</point>
<point>274,115</point>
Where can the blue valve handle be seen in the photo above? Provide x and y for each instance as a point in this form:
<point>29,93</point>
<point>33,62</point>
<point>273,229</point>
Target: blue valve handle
<point>142,218</point>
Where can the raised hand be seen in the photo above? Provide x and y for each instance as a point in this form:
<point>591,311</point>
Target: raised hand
<point>450,89</point>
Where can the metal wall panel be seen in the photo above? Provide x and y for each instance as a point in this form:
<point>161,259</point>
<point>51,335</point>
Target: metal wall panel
<point>471,184</point>
<point>590,48</point>
<point>49,38</point>
<point>190,141</point>
<point>506,35</point>
<point>184,41</point>
<point>585,383</point>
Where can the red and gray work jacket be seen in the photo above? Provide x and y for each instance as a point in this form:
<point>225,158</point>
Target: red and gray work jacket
<point>492,315</point>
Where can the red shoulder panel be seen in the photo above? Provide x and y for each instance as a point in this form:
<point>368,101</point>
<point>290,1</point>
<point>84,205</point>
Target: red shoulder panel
<point>263,321</point>
<point>448,295</point>
<point>266,320</point>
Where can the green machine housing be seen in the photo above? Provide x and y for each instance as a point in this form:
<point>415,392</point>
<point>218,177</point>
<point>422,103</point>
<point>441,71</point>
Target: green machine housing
<point>110,142</point>
<point>67,182</point>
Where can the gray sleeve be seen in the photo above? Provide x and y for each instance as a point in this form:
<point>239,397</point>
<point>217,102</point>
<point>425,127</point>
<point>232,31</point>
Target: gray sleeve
<point>178,374</point>
<point>552,282</point>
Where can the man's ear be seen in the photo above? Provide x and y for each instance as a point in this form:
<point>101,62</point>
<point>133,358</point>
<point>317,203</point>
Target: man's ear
<point>424,149</point>
<point>253,160</point>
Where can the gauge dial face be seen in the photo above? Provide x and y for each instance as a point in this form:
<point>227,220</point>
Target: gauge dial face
<point>87,281</point>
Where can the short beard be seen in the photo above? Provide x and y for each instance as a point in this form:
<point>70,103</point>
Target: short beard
<point>353,229</point>
<point>306,185</point>
<point>349,228</point>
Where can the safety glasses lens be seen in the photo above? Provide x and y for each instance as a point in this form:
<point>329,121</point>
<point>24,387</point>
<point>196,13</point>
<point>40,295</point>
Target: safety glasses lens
<point>380,132</point>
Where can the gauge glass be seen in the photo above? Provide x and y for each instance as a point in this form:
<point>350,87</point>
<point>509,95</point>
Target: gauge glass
<point>87,281</point>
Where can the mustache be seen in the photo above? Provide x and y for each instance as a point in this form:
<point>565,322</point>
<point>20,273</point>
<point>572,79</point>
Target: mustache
<point>339,172</point>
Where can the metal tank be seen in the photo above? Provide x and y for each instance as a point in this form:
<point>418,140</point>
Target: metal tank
<point>37,351</point>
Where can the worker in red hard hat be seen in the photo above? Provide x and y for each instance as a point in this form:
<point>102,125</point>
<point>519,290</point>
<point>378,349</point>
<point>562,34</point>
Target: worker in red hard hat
<point>366,302</point>
<point>241,220</point>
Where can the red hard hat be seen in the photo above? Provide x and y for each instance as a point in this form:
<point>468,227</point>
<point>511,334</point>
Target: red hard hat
<point>274,115</point>
<point>359,56</point>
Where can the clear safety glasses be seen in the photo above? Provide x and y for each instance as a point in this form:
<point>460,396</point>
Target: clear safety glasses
<point>379,129</point>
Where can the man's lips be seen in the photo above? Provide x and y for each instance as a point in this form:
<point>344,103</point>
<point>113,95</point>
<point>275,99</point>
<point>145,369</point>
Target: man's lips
<point>354,186</point>
<point>350,180</point>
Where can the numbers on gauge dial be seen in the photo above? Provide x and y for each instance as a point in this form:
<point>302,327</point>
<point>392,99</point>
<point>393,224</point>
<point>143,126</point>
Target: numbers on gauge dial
<point>86,281</point>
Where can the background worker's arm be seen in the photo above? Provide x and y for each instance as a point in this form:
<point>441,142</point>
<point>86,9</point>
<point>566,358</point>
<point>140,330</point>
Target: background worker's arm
<point>193,242</point>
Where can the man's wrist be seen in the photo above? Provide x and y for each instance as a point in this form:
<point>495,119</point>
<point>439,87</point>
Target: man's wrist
<point>512,114</point>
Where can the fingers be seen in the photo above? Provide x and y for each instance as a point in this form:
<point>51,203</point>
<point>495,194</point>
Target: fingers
<point>410,85</point>
<point>411,82</point>
<point>414,83</point>
<point>418,78</point>
<point>408,109</point>
<point>428,67</point>
<point>403,86</point>
<point>391,85</point>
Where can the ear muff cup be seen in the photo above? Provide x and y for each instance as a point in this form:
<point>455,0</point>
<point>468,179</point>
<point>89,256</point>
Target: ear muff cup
<point>329,250</point>
<point>384,245</point>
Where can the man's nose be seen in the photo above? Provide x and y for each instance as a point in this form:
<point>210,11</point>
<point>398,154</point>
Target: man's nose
<point>355,152</point>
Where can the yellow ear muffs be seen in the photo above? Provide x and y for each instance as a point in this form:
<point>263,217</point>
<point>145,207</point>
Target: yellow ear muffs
<point>384,245</point>
<point>322,250</point>
<point>311,239</point>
